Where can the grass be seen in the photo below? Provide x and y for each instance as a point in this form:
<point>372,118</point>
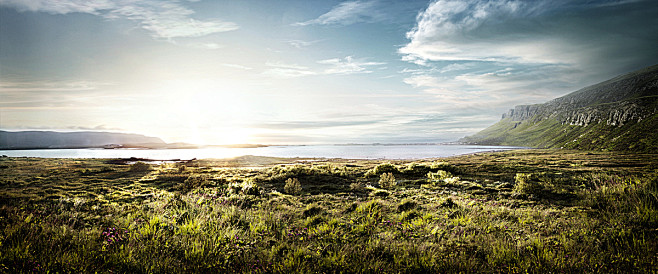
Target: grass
<point>515,211</point>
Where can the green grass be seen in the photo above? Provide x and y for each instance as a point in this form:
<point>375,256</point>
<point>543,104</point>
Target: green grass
<point>515,211</point>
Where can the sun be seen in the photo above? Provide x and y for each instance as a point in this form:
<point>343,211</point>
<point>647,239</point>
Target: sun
<point>208,112</point>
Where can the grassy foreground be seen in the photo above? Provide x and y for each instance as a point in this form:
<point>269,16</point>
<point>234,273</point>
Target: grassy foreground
<point>516,211</point>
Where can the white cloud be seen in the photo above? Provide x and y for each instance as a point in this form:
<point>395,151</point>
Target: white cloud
<point>346,13</point>
<point>347,65</point>
<point>164,19</point>
<point>302,44</point>
<point>208,46</point>
<point>284,70</point>
<point>237,66</point>
<point>529,32</point>
<point>498,88</point>
<point>7,87</point>
<point>450,30</point>
<point>61,7</point>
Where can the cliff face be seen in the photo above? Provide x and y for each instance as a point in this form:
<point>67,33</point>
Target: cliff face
<point>618,114</point>
<point>49,139</point>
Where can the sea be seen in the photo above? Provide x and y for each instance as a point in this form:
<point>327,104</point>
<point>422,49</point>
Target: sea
<point>416,151</point>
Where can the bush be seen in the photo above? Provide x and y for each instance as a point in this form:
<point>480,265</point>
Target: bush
<point>293,186</point>
<point>387,181</point>
<point>439,175</point>
<point>193,182</point>
<point>312,210</point>
<point>409,215</point>
<point>246,188</point>
<point>444,166</point>
<point>381,169</point>
<point>407,205</point>
<point>139,167</point>
<point>357,187</point>
<point>415,169</point>
<point>525,184</point>
<point>452,181</point>
<point>448,203</point>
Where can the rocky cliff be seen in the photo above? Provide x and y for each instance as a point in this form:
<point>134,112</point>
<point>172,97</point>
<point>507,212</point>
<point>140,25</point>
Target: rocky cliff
<point>618,114</point>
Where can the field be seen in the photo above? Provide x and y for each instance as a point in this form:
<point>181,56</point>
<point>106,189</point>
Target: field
<point>515,211</point>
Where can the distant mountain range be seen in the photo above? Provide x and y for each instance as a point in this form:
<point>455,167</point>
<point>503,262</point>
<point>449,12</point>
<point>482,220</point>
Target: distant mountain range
<point>93,139</point>
<point>619,114</point>
<point>51,139</point>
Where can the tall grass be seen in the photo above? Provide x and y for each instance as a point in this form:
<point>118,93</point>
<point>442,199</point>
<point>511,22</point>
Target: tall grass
<point>237,220</point>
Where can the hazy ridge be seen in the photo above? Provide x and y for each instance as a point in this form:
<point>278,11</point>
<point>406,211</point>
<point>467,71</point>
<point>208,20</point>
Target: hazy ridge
<point>51,139</point>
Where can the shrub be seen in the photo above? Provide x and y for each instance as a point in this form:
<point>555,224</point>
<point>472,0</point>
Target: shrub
<point>293,186</point>
<point>415,169</point>
<point>312,210</point>
<point>372,207</point>
<point>448,203</point>
<point>387,181</point>
<point>409,215</point>
<point>381,169</point>
<point>357,187</point>
<point>407,205</point>
<point>439,175</point>
<point>452,181</point>
<point>444,166</point>
<point>313,221</point>
<point>249,188</point>
<point>246,188</point>
<point>525,184</point>
<point>139,167</point>
<point>193,182</point>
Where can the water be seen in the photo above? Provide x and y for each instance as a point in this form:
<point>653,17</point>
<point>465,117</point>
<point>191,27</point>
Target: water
<point>319,151</point>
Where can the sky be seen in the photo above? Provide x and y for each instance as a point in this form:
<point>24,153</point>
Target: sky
<point>306,72</point>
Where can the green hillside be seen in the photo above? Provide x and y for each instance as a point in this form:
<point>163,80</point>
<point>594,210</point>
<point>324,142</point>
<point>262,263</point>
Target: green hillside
<point>618,114</point>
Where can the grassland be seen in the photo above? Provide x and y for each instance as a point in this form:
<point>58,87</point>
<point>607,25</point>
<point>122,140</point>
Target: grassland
<point>516,211</point>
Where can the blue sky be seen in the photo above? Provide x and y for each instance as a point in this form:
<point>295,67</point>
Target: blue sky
<point>291,72</point>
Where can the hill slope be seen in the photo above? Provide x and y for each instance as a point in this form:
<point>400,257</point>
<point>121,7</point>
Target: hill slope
<point>618,114</point>
<point>50,139</point>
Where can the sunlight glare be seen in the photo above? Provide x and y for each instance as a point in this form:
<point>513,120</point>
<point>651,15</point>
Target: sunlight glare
<point>210,112</point>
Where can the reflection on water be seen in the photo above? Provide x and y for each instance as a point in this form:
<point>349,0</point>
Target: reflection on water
<point>320,151</point>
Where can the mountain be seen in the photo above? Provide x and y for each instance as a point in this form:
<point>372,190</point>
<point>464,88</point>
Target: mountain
<point>618,114</point>
<point>50,139</point>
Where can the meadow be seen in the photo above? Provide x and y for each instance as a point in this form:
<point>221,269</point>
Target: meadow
<point>503,212</point>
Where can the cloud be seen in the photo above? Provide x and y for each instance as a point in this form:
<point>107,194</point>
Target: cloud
<point>22,87</point>
<point>336,66</point>
<point>346,13</point>
<point>495,88</point>
<point>80,94</point>
<point>522,32</point>
<point>208,46</point>
<point>166,19</point>
<point>347,65</point>
<point>64,128</point>
<point>295,125</point>
<point>237,66</point>
<point>450,30</point>
<point>302,44</point>
<point>283,70</point>
<point>492,54</point>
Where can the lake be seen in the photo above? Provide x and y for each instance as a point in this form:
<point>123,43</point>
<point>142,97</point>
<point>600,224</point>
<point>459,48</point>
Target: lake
<point>311,151</point>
